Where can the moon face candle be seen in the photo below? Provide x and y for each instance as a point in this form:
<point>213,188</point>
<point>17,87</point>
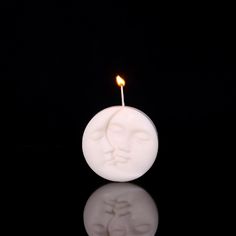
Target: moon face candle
<point>120,143</point>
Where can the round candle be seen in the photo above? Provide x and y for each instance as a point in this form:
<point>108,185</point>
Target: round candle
<point>120,143</point>
<point>120,209</point>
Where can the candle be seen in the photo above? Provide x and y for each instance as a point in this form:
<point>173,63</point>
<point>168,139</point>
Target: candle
<point>120,209</point>
<point>121,83</point>
<point>120,143</point>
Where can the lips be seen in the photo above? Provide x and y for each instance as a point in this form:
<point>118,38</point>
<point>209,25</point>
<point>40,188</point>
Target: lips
<point>121,156</point>
<point>116,157</point>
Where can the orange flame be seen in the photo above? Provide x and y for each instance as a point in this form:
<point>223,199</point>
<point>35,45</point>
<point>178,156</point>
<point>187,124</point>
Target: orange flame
<point>120,81</point>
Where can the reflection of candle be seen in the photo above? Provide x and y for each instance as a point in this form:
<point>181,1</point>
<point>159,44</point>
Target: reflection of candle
<point>120,143</point>
<point>120,209</point>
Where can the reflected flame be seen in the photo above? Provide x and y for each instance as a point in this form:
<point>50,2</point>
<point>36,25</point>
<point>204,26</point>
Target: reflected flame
<point>120,81</point>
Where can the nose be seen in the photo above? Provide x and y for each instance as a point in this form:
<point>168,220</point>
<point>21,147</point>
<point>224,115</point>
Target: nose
<point>117,227</point>
<point>119,139</point>
<point>122,141</point>
<point>124,144</point>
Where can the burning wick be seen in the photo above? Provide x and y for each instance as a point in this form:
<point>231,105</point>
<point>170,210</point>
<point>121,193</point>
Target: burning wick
<point>121,83</point>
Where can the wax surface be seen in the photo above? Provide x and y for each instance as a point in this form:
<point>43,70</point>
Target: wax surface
<point>121,209</point>
<point>120,143</point>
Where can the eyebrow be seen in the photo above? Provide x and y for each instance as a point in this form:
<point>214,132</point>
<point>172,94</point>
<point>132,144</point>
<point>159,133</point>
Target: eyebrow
<point>116,124</point>
<point>142,130</point>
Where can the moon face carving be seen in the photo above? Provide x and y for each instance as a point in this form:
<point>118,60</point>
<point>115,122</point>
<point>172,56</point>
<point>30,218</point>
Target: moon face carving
<point>121,209</point>
<point>120,143</point>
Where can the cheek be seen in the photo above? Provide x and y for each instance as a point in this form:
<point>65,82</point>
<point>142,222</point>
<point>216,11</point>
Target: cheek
<point>93,145</point>
<point>142,155</point>
<point>93,152</point>
<point>142,146</point>
<point>115,137</point>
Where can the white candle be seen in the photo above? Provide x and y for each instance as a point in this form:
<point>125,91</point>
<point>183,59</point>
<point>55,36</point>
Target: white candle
<point>120,209</point>
<point>120,143</point>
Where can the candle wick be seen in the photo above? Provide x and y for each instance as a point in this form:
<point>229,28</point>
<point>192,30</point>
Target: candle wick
<point>122,96</point>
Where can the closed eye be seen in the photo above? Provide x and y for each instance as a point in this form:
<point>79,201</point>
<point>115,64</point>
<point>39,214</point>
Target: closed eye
<point>99,230</point>
<point>96,135</point>
<point>142,228</point>
<point>142,135</point>
<point>115,128</point>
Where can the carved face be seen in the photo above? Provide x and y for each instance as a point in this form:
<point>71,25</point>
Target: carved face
<point>120,143</point>
<point>120,209</point>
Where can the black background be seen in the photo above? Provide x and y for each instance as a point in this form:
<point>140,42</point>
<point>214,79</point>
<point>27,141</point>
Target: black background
<point>58,68</point>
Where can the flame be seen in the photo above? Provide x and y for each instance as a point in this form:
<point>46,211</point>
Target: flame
<point>120,81</point>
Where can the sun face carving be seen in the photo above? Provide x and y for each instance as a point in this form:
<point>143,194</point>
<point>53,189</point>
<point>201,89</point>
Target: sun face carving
<point>122,139</point>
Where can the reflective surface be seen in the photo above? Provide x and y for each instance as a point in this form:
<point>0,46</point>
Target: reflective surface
<point>120,209</point>
<point>57,68</point>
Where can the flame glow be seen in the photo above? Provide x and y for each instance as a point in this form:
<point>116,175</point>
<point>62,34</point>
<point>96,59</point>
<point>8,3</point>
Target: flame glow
<point>120,81</point>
